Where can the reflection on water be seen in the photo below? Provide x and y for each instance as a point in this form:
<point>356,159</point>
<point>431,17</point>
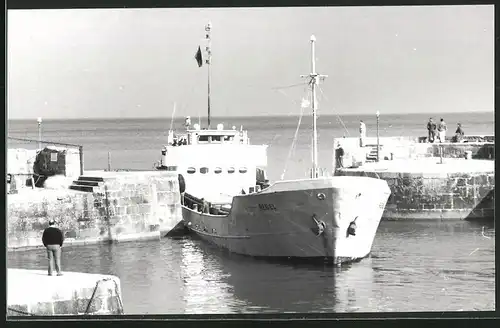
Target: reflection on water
<point>205,287</point>
<point>415,266</point>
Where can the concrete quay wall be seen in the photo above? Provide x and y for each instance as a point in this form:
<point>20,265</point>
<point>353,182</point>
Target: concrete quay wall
<point>443,193</point>
<point>33,292</point>
<point>125,207</point>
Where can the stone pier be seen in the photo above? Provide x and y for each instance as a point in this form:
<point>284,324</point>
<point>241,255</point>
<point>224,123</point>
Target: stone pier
<point>34,292</point>
<point>425,188</point>
<point>119,206</point>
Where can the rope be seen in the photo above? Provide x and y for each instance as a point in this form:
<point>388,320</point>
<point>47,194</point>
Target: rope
<point>376,174</point>
<point>20,312</point>
<point>292,147</point>
<point>290,86</point>
<point>338,116</point>
<point>117,292</point>
<point>120,309</point>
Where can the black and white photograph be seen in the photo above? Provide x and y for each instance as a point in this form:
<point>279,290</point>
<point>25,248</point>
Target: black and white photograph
<point>250,160</point>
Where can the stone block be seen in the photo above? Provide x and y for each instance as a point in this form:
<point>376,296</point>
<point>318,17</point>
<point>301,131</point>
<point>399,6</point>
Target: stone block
<point>65,307</point>
<point>17,310</point>
<point>139,225</point>
<point>482,191</point>
<point>132,209</point>
<point>89,306</point>
<point>481,180</point>
<point>120,210</point>
<point>114,220</point>
<point>42,308</point>
<point>461,182</point>
<point>136,199</point>
<point>462,203</point>
<point>127,187</point>
<point>144,208</point>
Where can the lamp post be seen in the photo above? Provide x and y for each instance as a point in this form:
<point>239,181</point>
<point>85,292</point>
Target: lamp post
<point>39,120</point>
<point>378,139</point>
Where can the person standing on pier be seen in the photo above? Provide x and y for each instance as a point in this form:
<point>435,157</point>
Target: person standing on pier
<point>442,131</point>
<point>339,156</point>
<point>459,133</point>
<point>52,239</point>
<point>431,127</point>
<point>362,133</point>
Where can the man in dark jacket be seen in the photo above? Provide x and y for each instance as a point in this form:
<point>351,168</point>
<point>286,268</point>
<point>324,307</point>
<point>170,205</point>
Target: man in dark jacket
<point>53,240</point>
<point>339,156</point>
<point>431,128</point>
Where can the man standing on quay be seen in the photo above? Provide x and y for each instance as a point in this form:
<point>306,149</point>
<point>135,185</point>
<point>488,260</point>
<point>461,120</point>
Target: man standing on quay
<point>53,240</point>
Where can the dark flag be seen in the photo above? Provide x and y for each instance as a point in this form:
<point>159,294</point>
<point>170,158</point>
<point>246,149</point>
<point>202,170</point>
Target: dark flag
<point>198,57</point>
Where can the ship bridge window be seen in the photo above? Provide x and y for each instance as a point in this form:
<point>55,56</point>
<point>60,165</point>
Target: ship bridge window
<point>230,170</point>
<point>204,170</point>
<point>216,138</point>
<point>203,138</point>
<point>243,170</point>
<point>191,170</point>
<point>218,170</point>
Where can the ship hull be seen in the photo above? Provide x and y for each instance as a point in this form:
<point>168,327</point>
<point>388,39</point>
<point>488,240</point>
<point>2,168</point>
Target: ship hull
<point>301,219</point>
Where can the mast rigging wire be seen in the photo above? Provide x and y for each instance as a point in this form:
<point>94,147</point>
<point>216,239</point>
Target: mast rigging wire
<point>294,141</point>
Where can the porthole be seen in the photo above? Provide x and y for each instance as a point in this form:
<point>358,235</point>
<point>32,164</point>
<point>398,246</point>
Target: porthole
<point>218,170</point>
<point>243,170</point>
<point>204,170</point>
<point>191,170</point>
<point>230,170</point>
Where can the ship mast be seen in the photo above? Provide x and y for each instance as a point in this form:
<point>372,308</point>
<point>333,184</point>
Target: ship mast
<point>314,79</point>
<point>208,61</point>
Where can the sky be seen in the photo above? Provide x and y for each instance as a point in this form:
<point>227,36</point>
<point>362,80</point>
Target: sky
<point>105,63</point>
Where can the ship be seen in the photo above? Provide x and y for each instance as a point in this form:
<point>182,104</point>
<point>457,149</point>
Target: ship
<point>332,218</point>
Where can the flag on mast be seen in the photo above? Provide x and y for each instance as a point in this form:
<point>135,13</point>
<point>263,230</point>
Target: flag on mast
<point>198,57</point>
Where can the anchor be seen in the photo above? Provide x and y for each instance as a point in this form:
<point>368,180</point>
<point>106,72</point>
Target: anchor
<point>320,226</point>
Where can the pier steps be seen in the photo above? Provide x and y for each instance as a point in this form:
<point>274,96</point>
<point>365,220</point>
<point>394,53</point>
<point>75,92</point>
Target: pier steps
<point>87,183</point>
<point>372,154</point>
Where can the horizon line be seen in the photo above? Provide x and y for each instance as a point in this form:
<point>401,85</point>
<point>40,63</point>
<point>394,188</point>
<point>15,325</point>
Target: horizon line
<point>242,116</point>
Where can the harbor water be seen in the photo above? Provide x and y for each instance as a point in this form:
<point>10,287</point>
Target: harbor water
<point>414,266</point>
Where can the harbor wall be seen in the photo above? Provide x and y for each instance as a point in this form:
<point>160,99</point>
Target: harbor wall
<point>409,148</point>
<point>74,293</point>
<point>124,207</point>
<point>417,195</point>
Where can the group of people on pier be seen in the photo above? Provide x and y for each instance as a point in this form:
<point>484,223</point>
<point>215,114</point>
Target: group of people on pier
<point>437,132</point>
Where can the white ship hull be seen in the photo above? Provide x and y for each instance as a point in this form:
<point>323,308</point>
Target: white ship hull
<point>278,221</point>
